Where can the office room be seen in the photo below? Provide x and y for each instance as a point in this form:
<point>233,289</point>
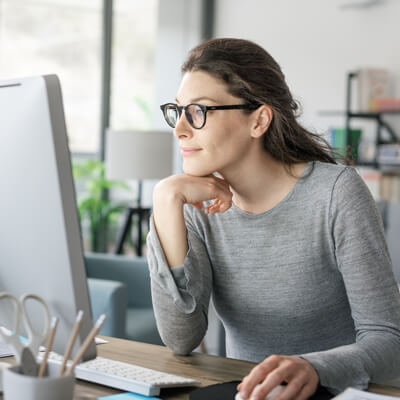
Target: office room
<point>257,259</point>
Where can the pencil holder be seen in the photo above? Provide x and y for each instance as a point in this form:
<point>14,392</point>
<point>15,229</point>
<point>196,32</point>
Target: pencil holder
<point>19,386</point>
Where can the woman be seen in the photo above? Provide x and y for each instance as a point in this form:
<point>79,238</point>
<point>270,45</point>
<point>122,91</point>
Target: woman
<point>289,244</point>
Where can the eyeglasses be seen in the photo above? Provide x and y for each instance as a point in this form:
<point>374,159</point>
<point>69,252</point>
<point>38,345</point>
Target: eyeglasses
<point>196,114</point>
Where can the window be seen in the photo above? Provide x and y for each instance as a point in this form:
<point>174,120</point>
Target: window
<point>64,37</point>
<point>60,37</point>
<point>134,41</point>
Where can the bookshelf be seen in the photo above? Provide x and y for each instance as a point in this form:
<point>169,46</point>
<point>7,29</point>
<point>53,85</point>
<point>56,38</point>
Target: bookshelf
<point>383,179</point>
<point>381,125</point>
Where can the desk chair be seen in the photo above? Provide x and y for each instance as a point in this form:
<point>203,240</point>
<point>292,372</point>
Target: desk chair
<point>111,298</point>
<point>120,286</point>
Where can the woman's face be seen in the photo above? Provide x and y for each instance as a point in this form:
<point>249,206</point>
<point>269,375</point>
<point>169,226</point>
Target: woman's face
<point>225,138</point>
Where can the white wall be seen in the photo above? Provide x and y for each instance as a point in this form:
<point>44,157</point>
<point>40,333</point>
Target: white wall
<point>317,42</point>
<point>179,29</point>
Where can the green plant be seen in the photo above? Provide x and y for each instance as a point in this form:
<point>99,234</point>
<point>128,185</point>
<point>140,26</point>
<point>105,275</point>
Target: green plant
<point>94,204</point>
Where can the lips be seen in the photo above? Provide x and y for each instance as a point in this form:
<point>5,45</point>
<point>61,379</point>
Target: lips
<point>187,151</point>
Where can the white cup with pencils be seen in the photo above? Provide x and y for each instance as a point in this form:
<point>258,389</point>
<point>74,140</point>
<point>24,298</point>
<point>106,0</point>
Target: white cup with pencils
<point>51,387</point>
<point>51,382</point>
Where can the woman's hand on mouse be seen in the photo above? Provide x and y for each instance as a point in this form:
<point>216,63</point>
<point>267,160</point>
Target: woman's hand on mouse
<point>195,190</point>
<point>301,378</point>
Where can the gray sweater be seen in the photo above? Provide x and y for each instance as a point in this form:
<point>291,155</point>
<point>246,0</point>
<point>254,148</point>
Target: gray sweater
<point>310,277</point>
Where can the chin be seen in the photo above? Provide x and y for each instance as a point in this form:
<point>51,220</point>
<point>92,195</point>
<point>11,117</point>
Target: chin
<point>196,170</point>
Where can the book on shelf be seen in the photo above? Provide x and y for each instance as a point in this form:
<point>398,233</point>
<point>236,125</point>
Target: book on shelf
<point>373,83</point>
<point>388,104</point>
<point>337,139</point>
<point>390,188</point>
<point>389,154</point>
<point>383,186</point>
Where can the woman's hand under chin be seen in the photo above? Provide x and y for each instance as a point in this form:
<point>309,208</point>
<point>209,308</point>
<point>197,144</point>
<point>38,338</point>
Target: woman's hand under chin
<point>301,378</point>
<point>195,190</point>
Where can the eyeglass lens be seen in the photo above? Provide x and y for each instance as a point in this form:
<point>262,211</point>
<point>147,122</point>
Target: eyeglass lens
<point>171,115</point>
<point>194,114</point>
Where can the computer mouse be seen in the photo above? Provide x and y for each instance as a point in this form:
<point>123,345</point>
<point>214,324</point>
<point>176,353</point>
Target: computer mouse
<point>273,394</point>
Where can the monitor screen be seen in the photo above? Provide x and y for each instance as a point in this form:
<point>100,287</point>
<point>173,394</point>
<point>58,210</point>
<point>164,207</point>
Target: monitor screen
<point>40,239</point>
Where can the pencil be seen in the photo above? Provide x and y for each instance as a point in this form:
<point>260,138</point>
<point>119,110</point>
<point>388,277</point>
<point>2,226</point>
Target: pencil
<point>49,345</point>
<point>86,343</point>
<point>71,341</point>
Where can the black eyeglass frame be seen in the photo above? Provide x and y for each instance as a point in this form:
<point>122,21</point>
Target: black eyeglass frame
<point>205,109</point>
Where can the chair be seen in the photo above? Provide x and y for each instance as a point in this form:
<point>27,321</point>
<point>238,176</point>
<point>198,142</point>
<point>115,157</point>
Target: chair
<point>120,286</point>
<point>111,298</point>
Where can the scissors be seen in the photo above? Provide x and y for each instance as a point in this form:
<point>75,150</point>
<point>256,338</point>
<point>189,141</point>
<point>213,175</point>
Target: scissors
<point>25,352</point>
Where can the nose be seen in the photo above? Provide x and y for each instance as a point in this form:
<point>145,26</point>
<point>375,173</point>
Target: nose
<point>183,128</point>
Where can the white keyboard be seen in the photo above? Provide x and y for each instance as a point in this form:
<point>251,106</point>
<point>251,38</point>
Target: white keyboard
<point>124,376</point>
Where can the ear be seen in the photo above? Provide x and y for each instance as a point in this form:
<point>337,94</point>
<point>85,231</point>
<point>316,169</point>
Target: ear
<point>261,120</point>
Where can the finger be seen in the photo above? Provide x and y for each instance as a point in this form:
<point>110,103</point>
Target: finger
<point>273,379</point>
<point>226,206</point>
<point>210,188</point>
<point>213,210</point>
<point>258,374</point>
<point>214,203</point>
<point>292,390</point>
<point>217,206</point>
<point>218,209</point>
<point>220,188</point>
<point>224,186</point>
<point>198,205</point>
<point>223,196</point>
<point>218,200</point>
<point>207,209</point>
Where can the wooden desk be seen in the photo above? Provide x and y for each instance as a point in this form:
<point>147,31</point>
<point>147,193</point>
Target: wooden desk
<point>206,369</point>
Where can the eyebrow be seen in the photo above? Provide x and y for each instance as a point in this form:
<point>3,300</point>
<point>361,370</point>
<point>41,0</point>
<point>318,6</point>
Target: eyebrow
<point>200,98</point>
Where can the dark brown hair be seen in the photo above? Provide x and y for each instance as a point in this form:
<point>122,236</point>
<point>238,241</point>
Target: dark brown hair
<point>251,74</point>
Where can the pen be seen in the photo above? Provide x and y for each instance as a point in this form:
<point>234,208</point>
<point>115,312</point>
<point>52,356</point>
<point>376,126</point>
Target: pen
<point>86,343</point>
<point>49,345</point>
<point>71,341</point>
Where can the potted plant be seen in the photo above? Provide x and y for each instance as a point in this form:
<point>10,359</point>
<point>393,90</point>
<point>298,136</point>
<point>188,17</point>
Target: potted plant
<point>94,205</point>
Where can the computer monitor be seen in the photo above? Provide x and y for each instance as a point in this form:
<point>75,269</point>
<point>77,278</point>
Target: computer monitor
<point>40,238</point>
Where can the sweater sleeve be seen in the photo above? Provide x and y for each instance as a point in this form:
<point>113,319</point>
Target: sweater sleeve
<point>181,294</point>
<point>363,260</point>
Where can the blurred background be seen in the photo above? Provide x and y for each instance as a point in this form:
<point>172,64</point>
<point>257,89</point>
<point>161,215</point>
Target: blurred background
<point>118,60</point>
